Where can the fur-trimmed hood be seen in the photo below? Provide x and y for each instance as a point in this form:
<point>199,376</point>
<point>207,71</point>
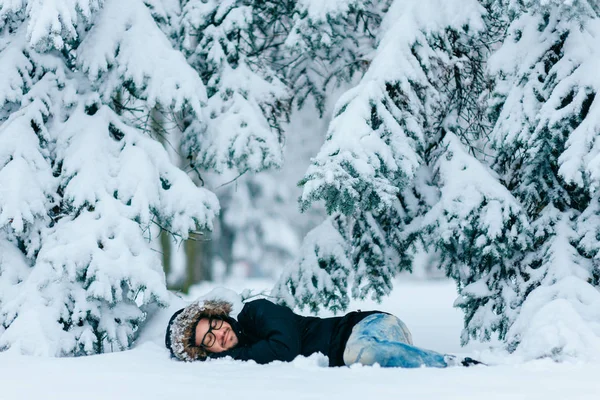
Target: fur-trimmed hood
<point>183,323</point>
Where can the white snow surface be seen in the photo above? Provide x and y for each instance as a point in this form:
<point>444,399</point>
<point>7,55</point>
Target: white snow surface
<point>146,372</point>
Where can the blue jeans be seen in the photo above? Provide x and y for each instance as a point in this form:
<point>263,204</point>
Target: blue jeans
<point>385,340</point>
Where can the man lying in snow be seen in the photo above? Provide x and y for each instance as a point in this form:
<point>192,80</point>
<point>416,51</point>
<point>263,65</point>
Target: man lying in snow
<point>266,332</point>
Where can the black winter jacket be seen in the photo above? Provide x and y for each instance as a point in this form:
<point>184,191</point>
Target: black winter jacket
<point>269,332</point>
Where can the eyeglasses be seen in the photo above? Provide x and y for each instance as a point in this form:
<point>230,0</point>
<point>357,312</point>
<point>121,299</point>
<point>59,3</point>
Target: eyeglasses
<point>209,338</point>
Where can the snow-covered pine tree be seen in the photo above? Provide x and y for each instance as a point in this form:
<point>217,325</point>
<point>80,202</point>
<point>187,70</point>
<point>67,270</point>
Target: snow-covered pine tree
<point>229,44</point>
<point>390,156</point>
<point>243,52</point>
<point>81,183</point>
<point>319,277</point>
<point>329,43</point>
<point>546,139</point>
<point>234,46</point>
<point>23,156</point>
<point>480,231</point>
<point>477,227</point>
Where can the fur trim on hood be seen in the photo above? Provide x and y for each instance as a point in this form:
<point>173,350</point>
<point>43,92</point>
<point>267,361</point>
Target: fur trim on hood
<point>183,323</point>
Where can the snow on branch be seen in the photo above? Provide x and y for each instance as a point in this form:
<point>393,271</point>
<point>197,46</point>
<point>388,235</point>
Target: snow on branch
<point>246,99</point>
<point>127,46</point>
<point>559,318</point>
<point>82,188</point>
<point>52,24</point>
<point>320,277</point>
<point>545,142</point>
<point>375,142</point>
<point>480,230</point>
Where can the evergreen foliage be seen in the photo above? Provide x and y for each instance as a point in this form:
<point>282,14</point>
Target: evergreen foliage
<point>470,132</point>
<point>480,231</point>
<point>393,164</point>
<point>406,160</point>
<point>257,59</point>
<point>235,47</point>
<point>81,183</point>
<point>325,286</point>
<point>545,137</point>
<point>229,44</point>
<point>329,43</point>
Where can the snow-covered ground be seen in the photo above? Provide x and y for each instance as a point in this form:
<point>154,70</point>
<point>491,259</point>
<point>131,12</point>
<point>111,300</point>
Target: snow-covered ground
<point>146,372</point>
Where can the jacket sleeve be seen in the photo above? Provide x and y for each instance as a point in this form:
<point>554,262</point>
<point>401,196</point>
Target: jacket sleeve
<point>275,326</point>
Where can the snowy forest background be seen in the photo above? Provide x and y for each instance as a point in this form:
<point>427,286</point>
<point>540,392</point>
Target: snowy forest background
<point>154,142</point>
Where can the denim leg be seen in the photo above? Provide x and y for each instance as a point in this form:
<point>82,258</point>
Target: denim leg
<point>384,339</point>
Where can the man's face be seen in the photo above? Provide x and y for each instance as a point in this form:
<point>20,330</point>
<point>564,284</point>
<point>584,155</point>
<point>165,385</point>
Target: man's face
<point>215,335</point>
